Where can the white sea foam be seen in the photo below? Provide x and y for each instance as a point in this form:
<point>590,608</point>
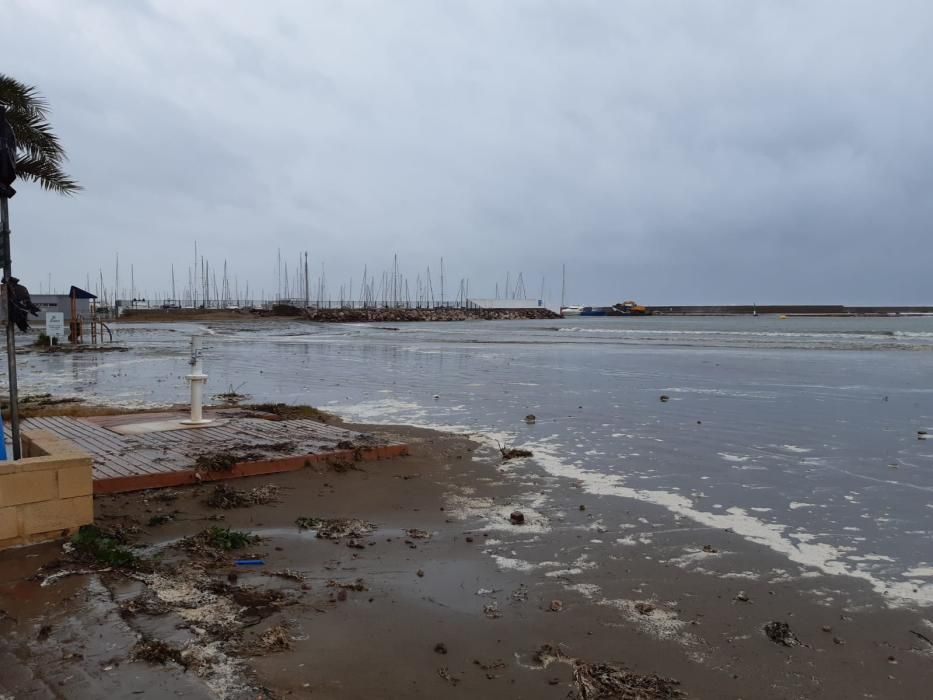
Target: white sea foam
<point>796,449</point>
<point>821,556</point>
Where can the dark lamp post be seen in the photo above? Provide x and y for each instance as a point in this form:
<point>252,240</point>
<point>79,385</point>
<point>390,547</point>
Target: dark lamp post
<point>7,177</point>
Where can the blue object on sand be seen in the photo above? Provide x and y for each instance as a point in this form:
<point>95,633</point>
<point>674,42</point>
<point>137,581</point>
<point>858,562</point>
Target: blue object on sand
<point>2,441</point>
<point>249,562</point>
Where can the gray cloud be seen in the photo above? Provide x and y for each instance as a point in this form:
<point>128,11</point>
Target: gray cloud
<point>674,153</point>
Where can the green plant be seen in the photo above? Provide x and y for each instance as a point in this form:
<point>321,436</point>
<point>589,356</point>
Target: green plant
<point>226,539</point>
<point>90,542</point>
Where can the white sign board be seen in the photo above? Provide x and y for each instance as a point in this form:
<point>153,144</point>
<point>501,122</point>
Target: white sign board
<point>55,324</point>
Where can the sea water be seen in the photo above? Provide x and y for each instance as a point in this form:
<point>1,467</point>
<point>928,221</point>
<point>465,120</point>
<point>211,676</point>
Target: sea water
<point>799,434</point>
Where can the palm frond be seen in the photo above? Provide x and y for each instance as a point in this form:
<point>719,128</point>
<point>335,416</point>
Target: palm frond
<point>41,154</point>
<point>47,173</point>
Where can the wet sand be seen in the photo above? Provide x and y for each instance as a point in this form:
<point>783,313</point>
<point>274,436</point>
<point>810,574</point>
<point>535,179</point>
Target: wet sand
<point>596,580</point>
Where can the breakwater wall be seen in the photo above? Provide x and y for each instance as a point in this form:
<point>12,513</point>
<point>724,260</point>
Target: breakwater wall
<point>376,315</point>
<point>789,309</point>
<point>443,314</point>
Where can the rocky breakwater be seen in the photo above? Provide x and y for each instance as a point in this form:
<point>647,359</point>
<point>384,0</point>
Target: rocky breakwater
<point>402,315</point>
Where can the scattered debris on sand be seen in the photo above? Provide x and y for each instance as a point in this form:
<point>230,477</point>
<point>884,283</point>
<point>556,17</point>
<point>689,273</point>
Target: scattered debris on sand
<point>359,585</point>
<point>232,396</point>
<point>165,496</point>
<point>644,608</point>
<point>144,604</point>
<point>598,681</point>
<point>274,639</point>
<point>514,452</point>
<point>288,412</point>
<point>226,497</point>
<point>547,654</point>
<point>289,574</point>
<point>217,461</point>
<point>336,528</point>
<point>781,633</point>
<point>520,594</point>
<point>489,665</point>
<point>155,651</point>
<point>444,673</point>
<point>416,534</point>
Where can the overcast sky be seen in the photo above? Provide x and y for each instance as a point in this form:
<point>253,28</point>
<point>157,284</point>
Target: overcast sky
<point>671,152</point>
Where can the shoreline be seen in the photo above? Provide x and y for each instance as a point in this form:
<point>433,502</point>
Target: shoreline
<point>636,586</point>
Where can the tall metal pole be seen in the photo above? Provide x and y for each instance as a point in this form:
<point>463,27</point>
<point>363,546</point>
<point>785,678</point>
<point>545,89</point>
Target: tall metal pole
<point>10,327</point>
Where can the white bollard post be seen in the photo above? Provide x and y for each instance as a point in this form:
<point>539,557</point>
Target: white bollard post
<point>198,379</point>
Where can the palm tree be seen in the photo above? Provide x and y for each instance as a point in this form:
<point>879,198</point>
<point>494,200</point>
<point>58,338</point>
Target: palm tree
<point>40,154</point>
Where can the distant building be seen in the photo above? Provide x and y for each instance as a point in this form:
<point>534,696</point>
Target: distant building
<point>60,303</point>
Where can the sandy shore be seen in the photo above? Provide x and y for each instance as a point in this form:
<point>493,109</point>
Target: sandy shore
<point>443,597</point>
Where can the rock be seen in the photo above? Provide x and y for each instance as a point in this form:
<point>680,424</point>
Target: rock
<point>836,640</point>
<point>420,573</point>
<point>827,628</point>
<point>781,633</point>
<point>709,549</point>
<point>582,507</point>
<point>742,597</point>
<point>342,595</point>
<point>530,418</point>
<point>469,539</point>
<point>665,398</point>
<point>517,518</point>
<point>440,648</point>
<point>556,606</point>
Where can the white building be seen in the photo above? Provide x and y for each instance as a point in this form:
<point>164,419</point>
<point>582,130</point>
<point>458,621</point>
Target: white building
<point>505,303</point>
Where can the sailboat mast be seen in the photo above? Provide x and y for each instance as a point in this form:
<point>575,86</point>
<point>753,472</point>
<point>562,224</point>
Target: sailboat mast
<point>563,284</point>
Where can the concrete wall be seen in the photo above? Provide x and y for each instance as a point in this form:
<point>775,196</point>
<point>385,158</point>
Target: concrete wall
<point>47,494</point>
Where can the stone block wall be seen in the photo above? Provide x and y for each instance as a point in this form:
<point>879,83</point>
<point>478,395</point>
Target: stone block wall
<point>47,494</point>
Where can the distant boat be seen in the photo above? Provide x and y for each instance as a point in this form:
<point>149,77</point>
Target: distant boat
<point>582,311</point>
